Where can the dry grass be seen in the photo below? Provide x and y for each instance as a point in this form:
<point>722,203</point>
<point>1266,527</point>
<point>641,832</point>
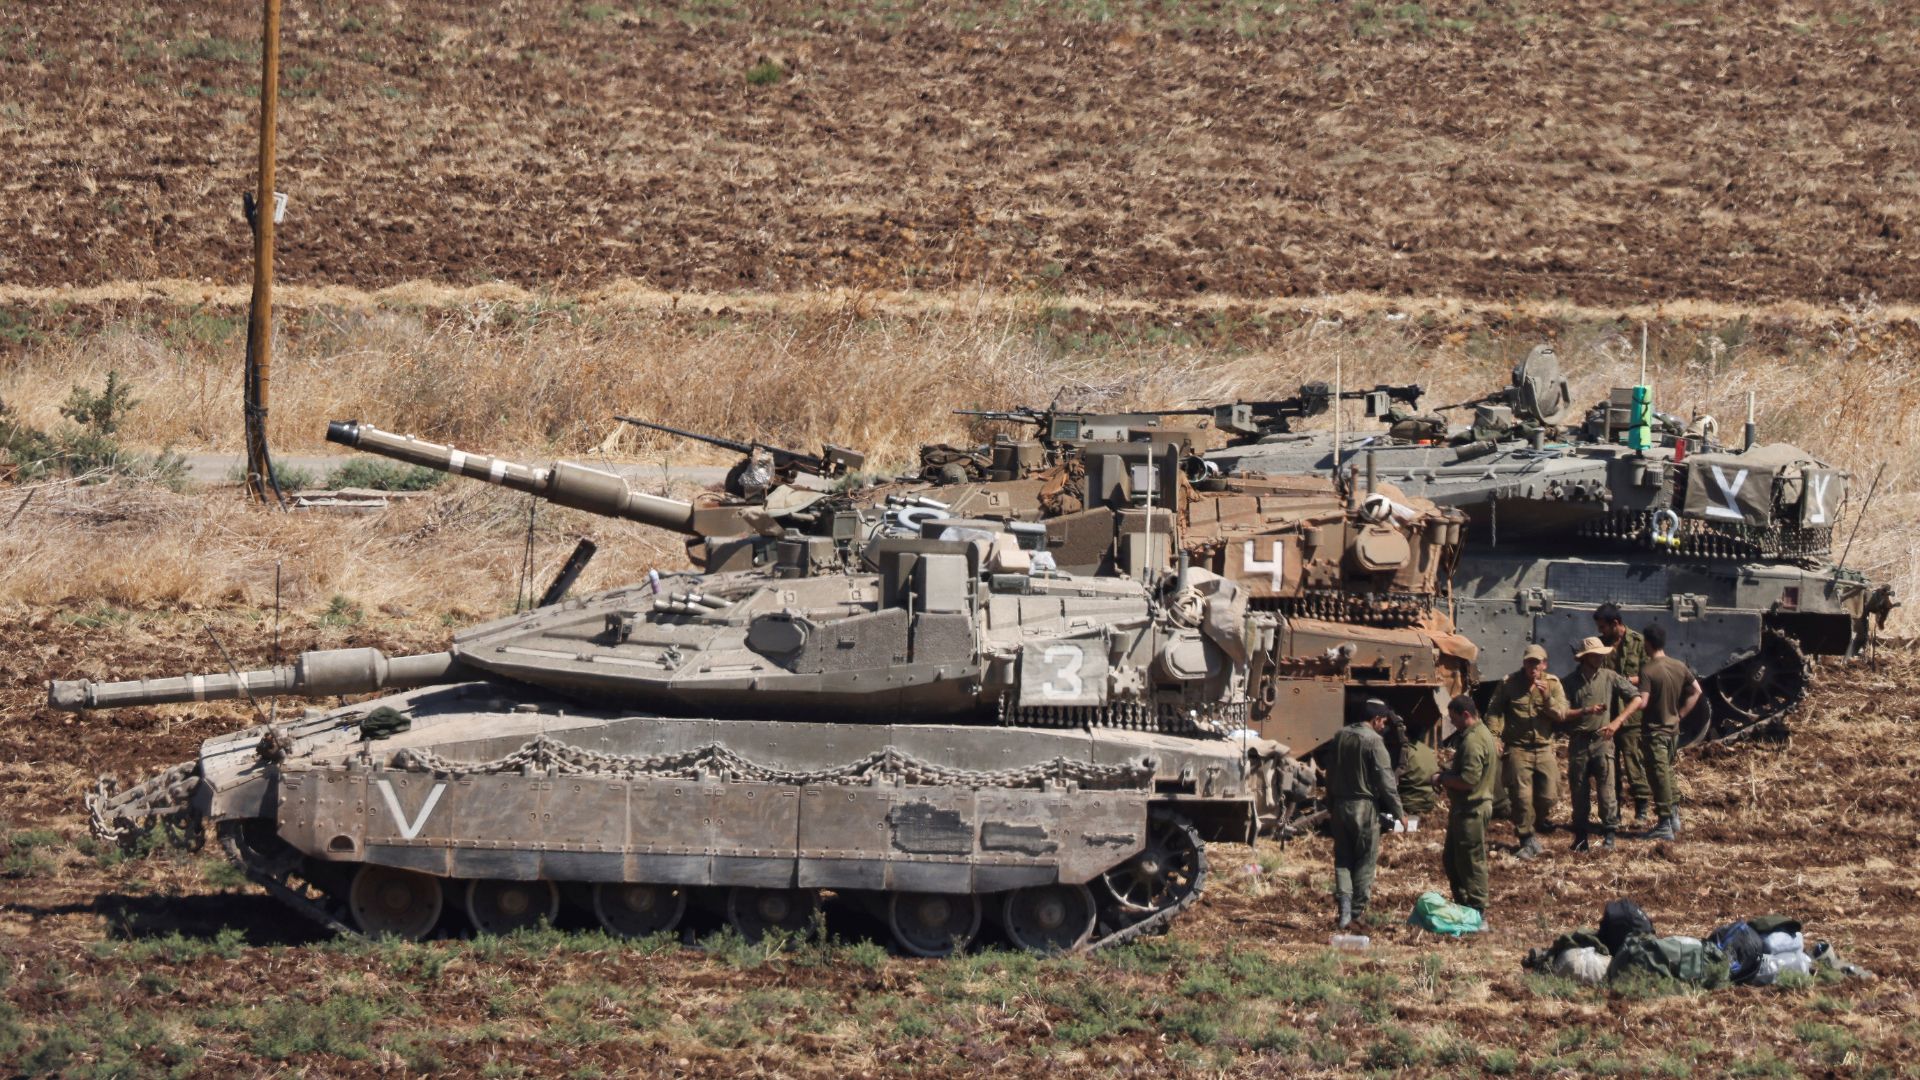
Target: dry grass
<point>543,378</point>
<point>454,554</point>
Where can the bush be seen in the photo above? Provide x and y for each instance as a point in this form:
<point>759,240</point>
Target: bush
<point>766,73</point>
<point>91,448</point>
<point>384,476</point>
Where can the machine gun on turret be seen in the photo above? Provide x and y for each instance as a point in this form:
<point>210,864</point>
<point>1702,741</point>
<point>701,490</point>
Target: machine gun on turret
<point>1257,419</point>
<point>765,466</point>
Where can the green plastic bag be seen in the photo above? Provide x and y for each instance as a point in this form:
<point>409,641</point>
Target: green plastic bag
<point>1436,913</point>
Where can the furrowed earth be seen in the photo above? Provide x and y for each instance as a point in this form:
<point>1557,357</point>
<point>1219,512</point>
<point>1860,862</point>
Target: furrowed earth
<point>811,222</point>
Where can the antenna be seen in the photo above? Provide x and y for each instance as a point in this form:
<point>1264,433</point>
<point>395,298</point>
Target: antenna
<point>1338,371</point>
<point>1751,429</point>
<point>1863,516</point>
<point>1643,354</point>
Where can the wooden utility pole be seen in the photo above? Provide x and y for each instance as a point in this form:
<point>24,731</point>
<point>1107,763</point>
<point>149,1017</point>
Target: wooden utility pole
<point>260,215</point>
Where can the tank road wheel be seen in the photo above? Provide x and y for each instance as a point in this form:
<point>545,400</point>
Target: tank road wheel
<point>1049,918</point>
<point>501,907</point>
<point>1761,687</point>
<point>628,909</point>
<point>388,902</point>
<point>1169,869</point>
<point>933,924</point>
<point>755,912</point>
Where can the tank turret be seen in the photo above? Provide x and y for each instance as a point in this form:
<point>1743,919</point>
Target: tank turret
<point>1568,510</point>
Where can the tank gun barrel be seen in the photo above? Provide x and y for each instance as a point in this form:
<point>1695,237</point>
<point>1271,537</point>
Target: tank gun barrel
<point>577,486</point>
<point>323,673</point>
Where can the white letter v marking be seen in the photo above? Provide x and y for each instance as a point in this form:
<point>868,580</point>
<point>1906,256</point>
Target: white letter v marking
<point>409,830</point>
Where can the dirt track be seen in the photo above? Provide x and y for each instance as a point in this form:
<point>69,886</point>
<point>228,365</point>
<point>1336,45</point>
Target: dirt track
<point>1601,153</point>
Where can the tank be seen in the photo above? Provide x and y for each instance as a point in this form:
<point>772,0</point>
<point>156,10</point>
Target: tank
<point>1346,589</point>
<point>1727,546</point>
<point>929,725</point>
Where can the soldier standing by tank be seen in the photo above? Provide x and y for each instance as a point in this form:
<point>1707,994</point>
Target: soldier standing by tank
<point>1360,791</point>
<point>1522,713</point>
<point>1469,785</point>
<point>1628,657</point>
<point>1602,701</point>
<point>1672,692</point>
<point>1418,763</point>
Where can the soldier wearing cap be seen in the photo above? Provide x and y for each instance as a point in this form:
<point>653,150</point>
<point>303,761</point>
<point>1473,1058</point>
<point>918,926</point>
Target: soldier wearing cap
<point>1469,785</point>
<point>1360,791</point>
<point>1523,712</point>
<point>1601,700</point>
<point>1628,657</point>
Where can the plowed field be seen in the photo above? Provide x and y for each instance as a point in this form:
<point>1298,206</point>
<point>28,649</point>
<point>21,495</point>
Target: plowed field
<point>1603,153</point>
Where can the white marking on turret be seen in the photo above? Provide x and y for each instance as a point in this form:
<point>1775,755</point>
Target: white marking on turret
<point>1729,494</point>
<point>198,687</point>
<point>1817,483</point>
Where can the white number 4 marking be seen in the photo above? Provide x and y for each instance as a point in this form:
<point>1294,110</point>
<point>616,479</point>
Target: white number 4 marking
<point>1251,564</point>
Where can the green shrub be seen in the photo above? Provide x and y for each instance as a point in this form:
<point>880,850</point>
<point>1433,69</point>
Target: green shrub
<point>766,73</point>
<point>384,476</point>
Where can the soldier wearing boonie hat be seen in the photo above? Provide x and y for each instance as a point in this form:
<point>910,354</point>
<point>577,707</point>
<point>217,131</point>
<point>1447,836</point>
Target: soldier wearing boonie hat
<point>1524,710</point>
<point>1601,700</point>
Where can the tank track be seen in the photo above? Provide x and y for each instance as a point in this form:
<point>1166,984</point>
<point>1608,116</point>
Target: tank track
<point>279,874</point>
<point>1160,920</point>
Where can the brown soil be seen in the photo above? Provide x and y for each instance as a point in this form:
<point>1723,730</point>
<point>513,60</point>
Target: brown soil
<point>1603,153</point>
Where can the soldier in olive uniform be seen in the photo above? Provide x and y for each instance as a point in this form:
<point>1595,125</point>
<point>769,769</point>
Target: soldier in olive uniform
<point>1524,710</point>
<point>1629,656</point>
<point>1418,763</point>
<point>1360,790</point>
<point>1602,700</point>
<point>1469,784</point>
<point>1672,692</point>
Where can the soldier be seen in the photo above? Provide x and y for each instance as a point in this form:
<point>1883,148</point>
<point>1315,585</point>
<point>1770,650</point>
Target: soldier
<point>1602,701</point>
<point>1360,791</point>
<point>1522,714</point>
<point>1469,785</point>
<point>1672,692</point>
<point>1418,763</point>
<point>1629,655</point>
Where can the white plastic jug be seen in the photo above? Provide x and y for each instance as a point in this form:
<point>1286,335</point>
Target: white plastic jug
<point>1355,942</point>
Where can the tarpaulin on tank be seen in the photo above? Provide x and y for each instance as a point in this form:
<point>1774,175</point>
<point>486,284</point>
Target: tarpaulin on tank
<point>1731,488</point>
<point>1064,672</point>
<point>1743,488</point>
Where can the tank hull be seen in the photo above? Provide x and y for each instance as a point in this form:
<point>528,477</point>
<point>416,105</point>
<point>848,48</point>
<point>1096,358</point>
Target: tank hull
<point>489,788</point>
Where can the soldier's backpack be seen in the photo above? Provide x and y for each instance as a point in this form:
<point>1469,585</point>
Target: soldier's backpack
<point>1621,920</point>
<point>1743,947</point>
<point>1684,959</point>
